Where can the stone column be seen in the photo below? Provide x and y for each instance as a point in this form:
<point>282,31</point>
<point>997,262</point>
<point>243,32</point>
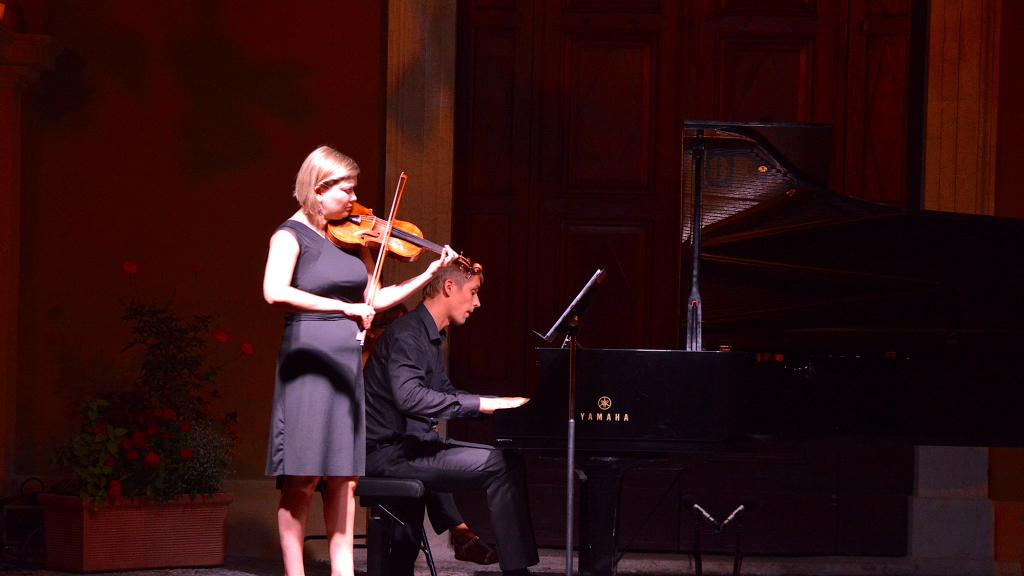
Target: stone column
<point>951,518</point>
<point>963,100</point>
<point>22,56</point>
<point>420,138</point>
<point>421,121</point>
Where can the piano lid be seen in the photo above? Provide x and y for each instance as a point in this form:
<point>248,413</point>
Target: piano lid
<point>748,165</point>
<point>789,266</point>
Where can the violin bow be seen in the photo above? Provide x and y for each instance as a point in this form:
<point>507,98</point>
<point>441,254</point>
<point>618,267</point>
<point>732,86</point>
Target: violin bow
<point>385,239</point>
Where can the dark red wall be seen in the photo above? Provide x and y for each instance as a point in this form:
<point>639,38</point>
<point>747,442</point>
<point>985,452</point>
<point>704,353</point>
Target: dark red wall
<point>169,135</point>
<point>1010,145</point>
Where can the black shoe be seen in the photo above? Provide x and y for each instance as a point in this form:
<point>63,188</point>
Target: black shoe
<point>475,550</point>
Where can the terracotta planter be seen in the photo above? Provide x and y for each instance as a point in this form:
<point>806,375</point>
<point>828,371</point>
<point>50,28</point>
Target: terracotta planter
<point>134,534</point>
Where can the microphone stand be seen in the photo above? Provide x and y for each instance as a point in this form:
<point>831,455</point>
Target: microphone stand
<point>569,324</point>
<point>570,342</point>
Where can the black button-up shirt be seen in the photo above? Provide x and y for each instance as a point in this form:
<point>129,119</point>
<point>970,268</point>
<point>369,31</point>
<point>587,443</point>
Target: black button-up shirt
<point>407,386</point>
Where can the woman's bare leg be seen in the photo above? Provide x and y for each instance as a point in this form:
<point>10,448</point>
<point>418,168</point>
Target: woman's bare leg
<point>292,511</point>
<point>339,519</point>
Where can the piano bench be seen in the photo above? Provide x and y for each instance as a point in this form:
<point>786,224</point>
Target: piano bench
<point>394,530</point>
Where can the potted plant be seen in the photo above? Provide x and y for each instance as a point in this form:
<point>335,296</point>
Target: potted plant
<point>148,461</point>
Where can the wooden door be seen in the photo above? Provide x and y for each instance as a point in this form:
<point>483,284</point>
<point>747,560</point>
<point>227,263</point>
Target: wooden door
<point>567,152</point>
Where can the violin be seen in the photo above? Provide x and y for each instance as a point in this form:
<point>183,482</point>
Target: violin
<point>362,228</point>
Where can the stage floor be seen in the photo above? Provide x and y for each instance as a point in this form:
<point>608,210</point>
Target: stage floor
<point>553,564</point>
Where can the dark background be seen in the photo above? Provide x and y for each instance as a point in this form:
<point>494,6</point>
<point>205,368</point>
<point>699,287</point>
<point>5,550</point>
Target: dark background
<point>168,134</point>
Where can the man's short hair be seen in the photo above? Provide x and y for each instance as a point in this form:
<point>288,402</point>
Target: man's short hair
<point>456,271</point>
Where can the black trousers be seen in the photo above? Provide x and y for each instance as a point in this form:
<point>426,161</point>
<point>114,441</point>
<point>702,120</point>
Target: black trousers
<point>442,511</point>
<point>451,466</point>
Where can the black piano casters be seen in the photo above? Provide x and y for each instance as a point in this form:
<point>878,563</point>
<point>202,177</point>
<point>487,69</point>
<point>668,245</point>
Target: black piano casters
<point>568,325</point>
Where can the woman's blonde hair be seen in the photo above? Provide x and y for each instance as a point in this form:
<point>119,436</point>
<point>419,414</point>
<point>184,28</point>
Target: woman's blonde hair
<point>321,169</point>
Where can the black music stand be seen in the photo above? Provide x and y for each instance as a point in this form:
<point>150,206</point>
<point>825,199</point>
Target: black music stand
<point>568,324</point>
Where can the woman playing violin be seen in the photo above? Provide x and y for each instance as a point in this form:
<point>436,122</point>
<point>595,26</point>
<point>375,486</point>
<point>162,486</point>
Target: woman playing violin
<point>317,428</point>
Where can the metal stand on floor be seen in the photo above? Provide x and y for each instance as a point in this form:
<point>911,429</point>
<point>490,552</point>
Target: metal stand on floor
<point>701,515</point>
<point>568,325</point>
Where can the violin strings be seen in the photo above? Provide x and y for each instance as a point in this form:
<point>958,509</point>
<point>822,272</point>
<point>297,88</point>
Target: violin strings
<point>415,240</point>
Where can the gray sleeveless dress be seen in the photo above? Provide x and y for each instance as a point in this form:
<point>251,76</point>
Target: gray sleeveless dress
<point>317,424</point>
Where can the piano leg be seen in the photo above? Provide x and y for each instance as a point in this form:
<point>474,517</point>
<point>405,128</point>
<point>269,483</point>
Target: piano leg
<point>599,507</point>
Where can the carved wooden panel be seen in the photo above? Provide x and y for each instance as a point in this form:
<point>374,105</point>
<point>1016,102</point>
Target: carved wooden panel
<point>653,519</point>
<point>492,151</point>
<point>506,5</point>
<point>631,6</point>
<point>751,69</point>
<point>608,84</point>
<point>767,7</point>
<point>619,313</point>
<point>876,128</point>
<point>487,349</point>
<point>493,81</point>
<point>608,92</point>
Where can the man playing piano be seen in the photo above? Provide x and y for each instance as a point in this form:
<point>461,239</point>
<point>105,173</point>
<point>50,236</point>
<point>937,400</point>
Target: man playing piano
<point>408,392</point>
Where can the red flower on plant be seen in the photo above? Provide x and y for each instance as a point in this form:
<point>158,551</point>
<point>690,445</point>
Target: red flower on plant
<point>139,439</point>
<point>130,267</point>
<point>127,434</point>
<point>114,491</point>
<point>247,348</point>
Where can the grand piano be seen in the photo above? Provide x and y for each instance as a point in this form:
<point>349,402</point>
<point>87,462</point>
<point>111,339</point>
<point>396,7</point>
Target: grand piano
<point>826,321</point>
